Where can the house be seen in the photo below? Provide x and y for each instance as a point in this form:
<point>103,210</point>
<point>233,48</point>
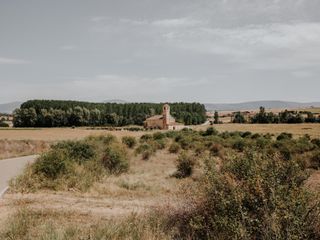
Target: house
<point>164,121</point>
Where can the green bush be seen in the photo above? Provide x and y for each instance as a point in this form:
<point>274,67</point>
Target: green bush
<point>316,142</point>
<point>51,164</point>
<point>255,136</point>
<point>158,135</point>
<point>78,151</point>
<point>146,137</point>
<point>115,159</point>
<point>239,144</point>
<point>262,142</point>
<point>255,196</point>
<point>210,131</point>
<point>146,150</point>
<point>185,164</point>
<point>284,136</point>
<point>159,144</point>
<point>246,134</point>
<point>174,148</point>
<point>4,124</point>
<point>315,160</point>
<point>216,150</point>
<point>129,141</point>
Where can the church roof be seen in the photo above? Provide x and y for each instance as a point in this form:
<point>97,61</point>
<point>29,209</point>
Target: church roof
<point>155,117</point>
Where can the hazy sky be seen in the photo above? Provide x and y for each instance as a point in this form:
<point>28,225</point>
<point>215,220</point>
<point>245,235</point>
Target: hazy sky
<point>160,50</point>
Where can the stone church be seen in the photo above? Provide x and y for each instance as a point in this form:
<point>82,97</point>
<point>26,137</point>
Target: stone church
<point>164,121</point>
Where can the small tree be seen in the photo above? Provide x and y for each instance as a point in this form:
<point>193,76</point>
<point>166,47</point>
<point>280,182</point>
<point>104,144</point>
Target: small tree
<point>216,117</point>
<point>238,118</point>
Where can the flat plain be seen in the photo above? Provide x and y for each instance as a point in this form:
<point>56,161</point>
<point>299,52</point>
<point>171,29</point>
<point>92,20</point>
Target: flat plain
<point>57,134</point>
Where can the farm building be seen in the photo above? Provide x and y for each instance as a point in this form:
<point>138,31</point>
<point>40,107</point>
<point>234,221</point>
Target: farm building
<point>164,121</point>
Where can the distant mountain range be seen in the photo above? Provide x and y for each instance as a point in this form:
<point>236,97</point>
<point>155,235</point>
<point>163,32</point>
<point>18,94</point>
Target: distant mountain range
<point>9,107</point>
<point>256,104</point>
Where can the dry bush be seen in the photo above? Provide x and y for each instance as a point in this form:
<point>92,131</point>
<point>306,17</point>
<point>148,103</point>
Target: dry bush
<point>254,196</point>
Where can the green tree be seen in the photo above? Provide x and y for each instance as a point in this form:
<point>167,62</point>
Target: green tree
<point>216,117</point>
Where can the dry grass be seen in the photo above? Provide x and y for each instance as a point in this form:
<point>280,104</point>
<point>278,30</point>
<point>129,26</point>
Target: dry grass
<point>16,148</point>
<point>145,187</point>
<point>296,129</point>
<point>56,134</point>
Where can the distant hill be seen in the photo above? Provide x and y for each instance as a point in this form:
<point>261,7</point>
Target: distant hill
<point>9,107</point>
<point>255,105</point>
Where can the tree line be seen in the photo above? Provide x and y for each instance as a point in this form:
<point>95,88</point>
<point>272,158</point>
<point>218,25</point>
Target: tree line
<point>283,117</point>
<point>58,113</point>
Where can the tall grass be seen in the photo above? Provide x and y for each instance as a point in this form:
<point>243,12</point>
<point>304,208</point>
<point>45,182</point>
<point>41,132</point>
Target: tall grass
<point>29,224</point>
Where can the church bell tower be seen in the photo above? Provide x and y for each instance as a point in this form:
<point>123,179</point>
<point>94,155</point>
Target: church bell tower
<point>166,116</point>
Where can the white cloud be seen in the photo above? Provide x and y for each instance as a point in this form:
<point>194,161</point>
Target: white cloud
<point>68,47</point>
<point>258,46</point>
<point>12,61</point>
<point>177,22</point>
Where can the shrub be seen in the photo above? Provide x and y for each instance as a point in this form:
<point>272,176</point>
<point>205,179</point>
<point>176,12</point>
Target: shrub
<point>146,137</point>
<point>253,197</point>
<point>316,142</point>
<point>158,135</point>
<point>262,142</point>
<point>303,144</point>
<point>4,124</point>
<point>78,151</point>
<point>185,141</point>
<point>239,144</point>
<point>51,164</point>
<point>174,148</point>
<point>284,136</point>
<point>115,159</point>
<point>129,141</point>
<point>315,160</point>
<point>146,150</point>
<point>210,131</point>
<point>255,136</point>
<point>185,164</point>
<point>246,134</point>
<point>161,143</point>
<point>216,150</point>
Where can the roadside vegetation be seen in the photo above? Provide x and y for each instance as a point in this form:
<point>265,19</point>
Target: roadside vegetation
<point>74,165</point>
<point>237,185</point>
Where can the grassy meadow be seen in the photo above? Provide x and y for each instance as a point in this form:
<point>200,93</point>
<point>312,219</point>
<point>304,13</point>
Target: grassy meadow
<point>185,184</point>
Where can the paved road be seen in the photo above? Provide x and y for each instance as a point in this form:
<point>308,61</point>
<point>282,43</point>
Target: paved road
<point>9,168</point>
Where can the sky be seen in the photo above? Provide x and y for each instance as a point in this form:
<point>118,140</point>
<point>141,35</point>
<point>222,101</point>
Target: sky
<point>209,51</point>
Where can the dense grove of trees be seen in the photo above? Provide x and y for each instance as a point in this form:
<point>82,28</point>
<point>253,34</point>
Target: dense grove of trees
<point>54,113</point>
<point>284,117</point>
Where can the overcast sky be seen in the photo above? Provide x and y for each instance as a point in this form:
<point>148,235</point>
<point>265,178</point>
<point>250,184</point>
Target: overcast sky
<point>160,50</point>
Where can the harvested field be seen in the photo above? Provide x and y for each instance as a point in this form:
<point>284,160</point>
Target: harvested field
<point>296,129</point>
<point>56,134</point>
<point>17,148</point>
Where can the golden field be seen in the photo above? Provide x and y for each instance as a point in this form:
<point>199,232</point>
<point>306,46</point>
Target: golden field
<point>57,134</point>
<point>296,129</point>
